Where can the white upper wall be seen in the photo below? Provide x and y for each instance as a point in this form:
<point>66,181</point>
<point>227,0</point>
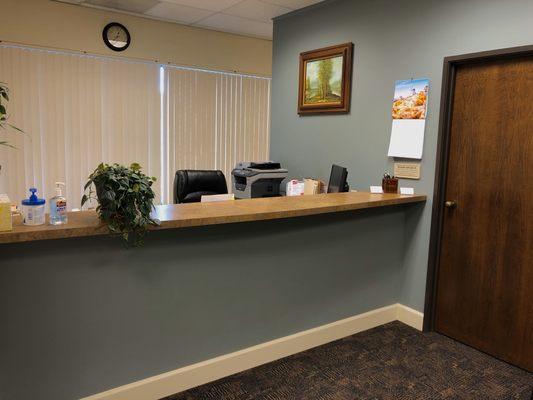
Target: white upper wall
<point>65,26</point>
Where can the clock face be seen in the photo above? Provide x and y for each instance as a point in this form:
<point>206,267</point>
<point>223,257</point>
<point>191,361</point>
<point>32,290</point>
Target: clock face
<point>116,36</point>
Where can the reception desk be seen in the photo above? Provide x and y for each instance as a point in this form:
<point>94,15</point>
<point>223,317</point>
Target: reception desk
<point>82,314</point>
<point>86,223</point>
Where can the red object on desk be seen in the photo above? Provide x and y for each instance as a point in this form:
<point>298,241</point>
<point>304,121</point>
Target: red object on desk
<point>390,185</point>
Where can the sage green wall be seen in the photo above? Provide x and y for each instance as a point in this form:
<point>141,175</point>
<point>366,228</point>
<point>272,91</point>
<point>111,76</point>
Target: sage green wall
<point>393,40</point>
<point>80,316</point>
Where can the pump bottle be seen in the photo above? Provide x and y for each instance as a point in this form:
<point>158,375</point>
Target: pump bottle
<point>58,206</point>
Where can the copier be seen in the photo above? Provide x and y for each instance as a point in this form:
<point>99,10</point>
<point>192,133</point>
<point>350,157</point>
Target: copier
<point>257,179</point>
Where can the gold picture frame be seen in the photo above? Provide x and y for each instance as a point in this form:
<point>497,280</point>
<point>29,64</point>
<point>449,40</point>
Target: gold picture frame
<point>325,80</point>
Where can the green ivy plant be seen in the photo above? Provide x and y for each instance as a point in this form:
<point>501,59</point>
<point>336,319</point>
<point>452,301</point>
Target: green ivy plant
<point>4,125</point>
<point>125,200</point>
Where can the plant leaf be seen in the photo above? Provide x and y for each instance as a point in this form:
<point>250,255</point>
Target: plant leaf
<point>15,128</point>
<point>7,144</point>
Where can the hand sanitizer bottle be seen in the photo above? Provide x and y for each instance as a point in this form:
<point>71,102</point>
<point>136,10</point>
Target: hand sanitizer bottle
<point>58,207</point>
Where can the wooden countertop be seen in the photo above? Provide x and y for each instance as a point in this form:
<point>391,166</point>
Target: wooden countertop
<point>86,223</point>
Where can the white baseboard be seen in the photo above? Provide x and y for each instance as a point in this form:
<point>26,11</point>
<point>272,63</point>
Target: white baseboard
<point>181,379</point>
<point>408,316</point>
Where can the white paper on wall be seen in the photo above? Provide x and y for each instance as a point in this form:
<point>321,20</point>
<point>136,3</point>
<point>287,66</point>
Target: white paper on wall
<point>409,110</point>
<point>407,138</point>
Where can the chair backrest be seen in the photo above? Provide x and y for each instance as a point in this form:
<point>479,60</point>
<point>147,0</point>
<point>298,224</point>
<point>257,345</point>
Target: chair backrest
<point>190,185</point>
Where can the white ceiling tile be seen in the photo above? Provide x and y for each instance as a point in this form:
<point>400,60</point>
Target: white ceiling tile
<point>178,13</point>
<point>233,24</point>
<point>257,10</point>
<point>137,6</point>
<point>245,17</point>
<point>293,4</point>
<point>213,5</point>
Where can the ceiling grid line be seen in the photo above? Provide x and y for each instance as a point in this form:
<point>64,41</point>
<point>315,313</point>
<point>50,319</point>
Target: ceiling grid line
<point>242,17</point>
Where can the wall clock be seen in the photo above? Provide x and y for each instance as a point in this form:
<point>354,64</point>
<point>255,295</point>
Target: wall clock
<point>116,36</point>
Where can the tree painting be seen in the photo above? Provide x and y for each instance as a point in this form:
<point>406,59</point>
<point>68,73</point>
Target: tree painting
<point>323,81</point>
<point>325,68</point>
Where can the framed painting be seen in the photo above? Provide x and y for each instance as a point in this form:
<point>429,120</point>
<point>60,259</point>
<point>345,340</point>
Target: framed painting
<point>325,80</point>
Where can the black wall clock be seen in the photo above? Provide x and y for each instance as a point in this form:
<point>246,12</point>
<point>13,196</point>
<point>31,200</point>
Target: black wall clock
<point>116,36</point>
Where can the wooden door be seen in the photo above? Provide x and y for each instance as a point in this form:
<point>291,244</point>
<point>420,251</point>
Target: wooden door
<point>485,278</point>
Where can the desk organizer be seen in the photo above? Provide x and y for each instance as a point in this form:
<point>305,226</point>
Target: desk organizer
<point>390,185</point>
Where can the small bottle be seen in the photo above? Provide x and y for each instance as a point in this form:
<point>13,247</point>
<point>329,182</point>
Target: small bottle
<point>58,207</point>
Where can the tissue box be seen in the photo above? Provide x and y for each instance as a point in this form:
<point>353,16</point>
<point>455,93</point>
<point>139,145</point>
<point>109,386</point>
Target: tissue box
<point>295,188</point>
<point>6,223</point>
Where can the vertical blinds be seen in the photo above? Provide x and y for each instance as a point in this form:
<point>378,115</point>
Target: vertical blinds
<point>215,120</point>
<point>81,110</point>
<point>77,111</point>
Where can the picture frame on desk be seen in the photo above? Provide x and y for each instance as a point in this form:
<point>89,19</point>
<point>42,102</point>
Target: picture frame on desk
<point>325,80</point>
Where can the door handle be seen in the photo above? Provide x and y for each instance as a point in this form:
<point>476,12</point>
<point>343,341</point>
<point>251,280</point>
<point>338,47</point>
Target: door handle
<point>450,204</point>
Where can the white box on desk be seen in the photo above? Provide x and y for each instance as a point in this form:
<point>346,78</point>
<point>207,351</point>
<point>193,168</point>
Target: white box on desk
<point>6,222</point>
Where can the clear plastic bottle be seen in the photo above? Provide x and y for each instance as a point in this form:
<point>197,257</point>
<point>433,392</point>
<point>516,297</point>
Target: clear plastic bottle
<point>58,206</point>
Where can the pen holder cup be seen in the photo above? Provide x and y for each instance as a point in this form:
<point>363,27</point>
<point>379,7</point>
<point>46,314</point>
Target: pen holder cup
<point>389,185</point>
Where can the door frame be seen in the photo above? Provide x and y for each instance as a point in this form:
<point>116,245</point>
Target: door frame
<point>450,65</point>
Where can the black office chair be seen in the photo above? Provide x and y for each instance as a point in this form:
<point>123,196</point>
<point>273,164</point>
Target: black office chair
<point>190,185</point>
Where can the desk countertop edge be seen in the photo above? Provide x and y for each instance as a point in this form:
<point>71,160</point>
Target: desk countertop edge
<point>174,216</point>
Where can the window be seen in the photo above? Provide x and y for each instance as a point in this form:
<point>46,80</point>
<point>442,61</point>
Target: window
<point>80,110</point>
<point>215,120</point>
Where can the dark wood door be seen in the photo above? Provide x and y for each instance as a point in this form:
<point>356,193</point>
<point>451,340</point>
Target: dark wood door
<point>485,279</point>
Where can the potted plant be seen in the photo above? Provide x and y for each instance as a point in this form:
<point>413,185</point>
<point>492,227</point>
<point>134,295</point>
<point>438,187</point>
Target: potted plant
<point>125,200</point>
<point>4,125</point>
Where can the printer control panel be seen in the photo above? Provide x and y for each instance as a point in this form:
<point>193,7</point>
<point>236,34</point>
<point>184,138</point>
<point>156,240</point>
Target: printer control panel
<point>244,173</point>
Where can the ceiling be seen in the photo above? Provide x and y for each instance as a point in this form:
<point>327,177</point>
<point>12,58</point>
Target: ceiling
<point>244,17</point>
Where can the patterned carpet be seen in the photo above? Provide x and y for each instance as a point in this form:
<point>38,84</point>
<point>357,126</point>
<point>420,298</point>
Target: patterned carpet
<point>392,361</point>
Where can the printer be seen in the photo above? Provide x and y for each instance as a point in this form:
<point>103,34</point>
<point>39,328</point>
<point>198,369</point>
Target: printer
<point>257,179</point>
